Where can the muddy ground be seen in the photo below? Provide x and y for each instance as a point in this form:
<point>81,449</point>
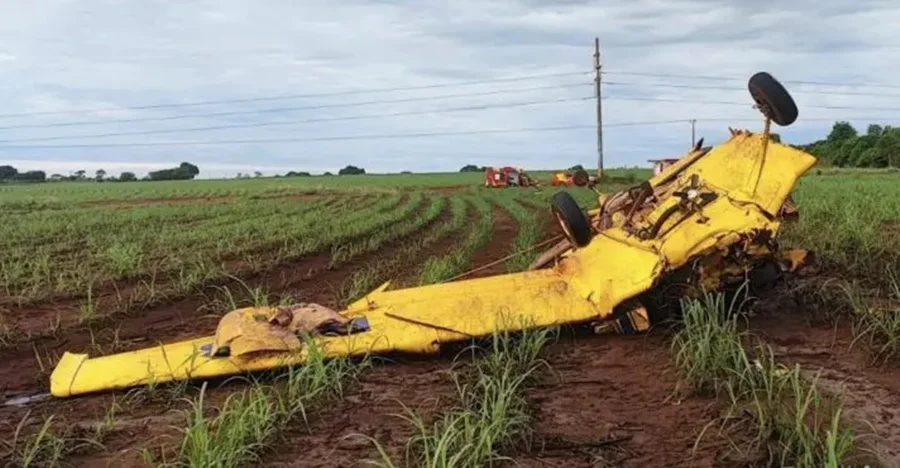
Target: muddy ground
<point>607,400</point>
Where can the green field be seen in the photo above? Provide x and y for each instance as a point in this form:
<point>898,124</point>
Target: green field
<point>102,267</point>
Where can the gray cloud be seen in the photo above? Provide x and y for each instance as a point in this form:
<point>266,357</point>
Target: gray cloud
<point>57,55</point>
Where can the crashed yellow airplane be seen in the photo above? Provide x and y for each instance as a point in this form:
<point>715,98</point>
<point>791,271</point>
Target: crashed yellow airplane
<point>715,212</point>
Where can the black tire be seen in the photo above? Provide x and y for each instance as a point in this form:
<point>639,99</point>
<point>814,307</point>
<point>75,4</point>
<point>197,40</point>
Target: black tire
<point>773,100</point>
<point>571,218</point>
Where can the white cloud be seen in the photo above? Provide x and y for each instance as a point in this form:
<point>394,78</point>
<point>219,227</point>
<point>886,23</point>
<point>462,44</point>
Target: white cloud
<point>59,55</point>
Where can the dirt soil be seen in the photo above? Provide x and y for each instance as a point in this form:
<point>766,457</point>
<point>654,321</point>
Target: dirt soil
<point>503,232</point>
<point>609,401</point>
<point>869,391</point>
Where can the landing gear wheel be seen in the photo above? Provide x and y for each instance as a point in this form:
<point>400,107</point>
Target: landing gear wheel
<point>571,218</point>
<point>773,100</point>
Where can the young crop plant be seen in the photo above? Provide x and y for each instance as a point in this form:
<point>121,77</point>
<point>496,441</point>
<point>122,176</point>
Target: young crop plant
<point>240,430</point>
<point>851,222</point>
<point>366,278</point>
<point>795,425</point>
<point>250,421</point>
<point>529,234</point>
<point>124,259</point>
<point>492,413</point>
<point>878,325</point>
<point>373,232</point>
<point>455,261</point>
<point>47,447</point>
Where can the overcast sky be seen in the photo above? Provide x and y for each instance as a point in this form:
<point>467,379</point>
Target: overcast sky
<point>113,55</point>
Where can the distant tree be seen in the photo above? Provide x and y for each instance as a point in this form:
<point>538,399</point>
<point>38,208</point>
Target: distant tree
<point>184,171</point>
<point>189,169</point>
<point>406,172</point>
<point>327,173</point>
<point>775,137</point>
<point>851,151</point>
<point>100,175</point>
<point>840,132</point>
<point>874,130</point>
<point>257,174</point>
<point>240,175</point>
<point>127,177</point>
<point>57,178</point>
<point>79,175</point>
<point>8,172</point>
<point>32,176</point>
<point>888,146</point>
<point>471,168</point>
<point>872,158</point>
<point>298,174</point>
<point>351,170</point>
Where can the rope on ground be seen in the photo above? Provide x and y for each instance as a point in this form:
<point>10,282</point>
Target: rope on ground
<point>495,262</point>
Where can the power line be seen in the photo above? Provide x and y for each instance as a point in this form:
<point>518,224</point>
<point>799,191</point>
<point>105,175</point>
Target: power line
<point>290,108</point>
<point>743,104</point>
<point>296,122</point>
<point>736,88</point>
<point>297,96</point>
<point>419,112</point>
<point>340,138</point>
<point>732,78</point>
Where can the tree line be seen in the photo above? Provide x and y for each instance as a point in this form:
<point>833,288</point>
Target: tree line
<point>845,147</point>
<point>184,171</point>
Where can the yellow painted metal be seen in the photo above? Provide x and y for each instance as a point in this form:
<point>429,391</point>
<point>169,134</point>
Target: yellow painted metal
<point>585,285</point>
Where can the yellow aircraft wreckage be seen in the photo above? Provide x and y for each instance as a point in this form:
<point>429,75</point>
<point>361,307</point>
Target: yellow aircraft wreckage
<point>714,214</point>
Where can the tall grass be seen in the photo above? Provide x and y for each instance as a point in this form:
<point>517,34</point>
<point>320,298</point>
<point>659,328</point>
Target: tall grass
<point>248,422</point>
<point>851,221</point>
<point>492,413</point>
<point>47,447</point>
<point>794,424</point>
<point>877,321</point>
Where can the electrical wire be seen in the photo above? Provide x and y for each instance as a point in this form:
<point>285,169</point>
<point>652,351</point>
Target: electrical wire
<point>742,104</point>
<point>289,109</point>
<point>297,96</point>
<point>730,78</point>
<point>340,138</point>
<point>737,88</point>
<point>296,122</point>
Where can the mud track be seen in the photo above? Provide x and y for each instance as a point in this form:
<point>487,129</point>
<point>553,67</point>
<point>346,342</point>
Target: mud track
<point>609,401</point>
<point>504,231</point>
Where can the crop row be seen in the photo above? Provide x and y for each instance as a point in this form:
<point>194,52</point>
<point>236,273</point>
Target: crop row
<point>139,244</point>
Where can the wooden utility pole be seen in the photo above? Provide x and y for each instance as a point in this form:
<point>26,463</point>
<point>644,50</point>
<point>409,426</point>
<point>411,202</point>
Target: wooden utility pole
<point>693,134</point>
<point>599,107</point>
